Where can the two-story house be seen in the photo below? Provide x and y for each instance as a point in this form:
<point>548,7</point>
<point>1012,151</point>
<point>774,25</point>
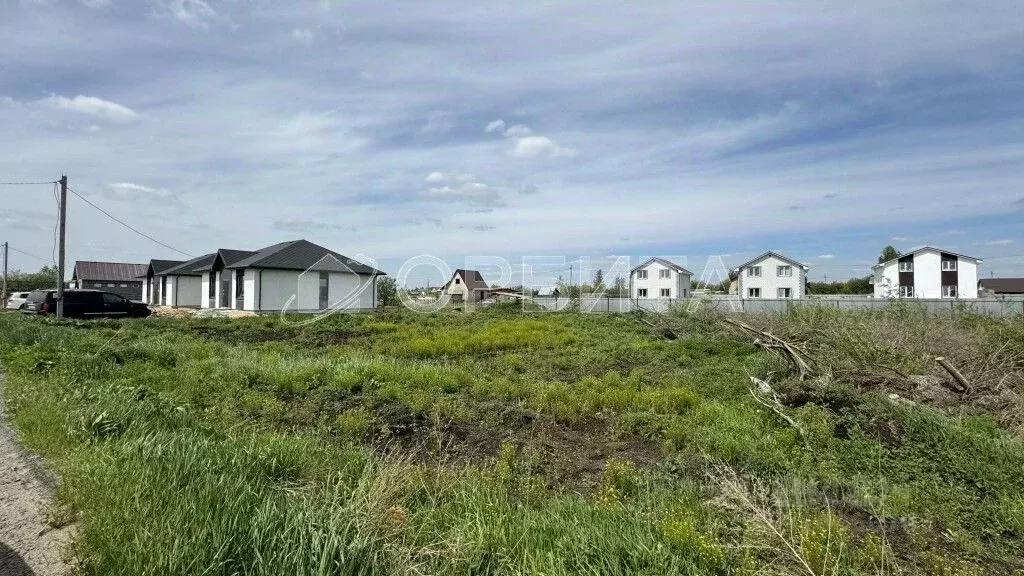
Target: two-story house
<point>771,275</point>
<point>659,278</point>
<point>927,273</point>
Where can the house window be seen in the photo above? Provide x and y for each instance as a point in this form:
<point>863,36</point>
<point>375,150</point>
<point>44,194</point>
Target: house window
<point>666,292</point>
<point>906,291</point>
<point>641,292</point>
<point>949,291</point>
<point>641,274</point>
<point>949,266</point>
<point>239,284</point>
<point>664,273</point>
<point>753,292</point>
<point>212,283</point>
<point>754,271</point>
<point>784,271</point>
<point>110,285</point>
<point>457,280</point>
<point>785,292</point>
<point>325,290</point>
<point>124,285</point>
<point>907,266</point>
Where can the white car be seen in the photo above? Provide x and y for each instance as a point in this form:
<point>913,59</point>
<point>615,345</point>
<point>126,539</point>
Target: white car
<point>17,300</point>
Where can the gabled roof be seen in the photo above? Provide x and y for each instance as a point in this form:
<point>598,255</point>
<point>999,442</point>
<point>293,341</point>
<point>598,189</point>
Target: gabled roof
<point>303,255</point>
<point>663,262</point>
<point>1003,285</point>
<point>766,255</point>
<point>473,279</point>
<point>226,256</point>
<point>924,248</point>
<point>189,268</point>
<point>108,271</point>
<point>158,267</point>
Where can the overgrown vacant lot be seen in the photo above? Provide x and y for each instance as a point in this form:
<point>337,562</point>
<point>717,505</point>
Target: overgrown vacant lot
<point>506,443</point>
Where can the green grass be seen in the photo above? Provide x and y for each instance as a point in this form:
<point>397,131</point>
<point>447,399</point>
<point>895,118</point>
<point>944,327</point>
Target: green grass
<point>505,443</point>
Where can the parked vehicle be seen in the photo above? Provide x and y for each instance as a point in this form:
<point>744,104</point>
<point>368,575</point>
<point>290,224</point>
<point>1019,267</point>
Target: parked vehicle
<point>85,304</point>
<point>17,300</point>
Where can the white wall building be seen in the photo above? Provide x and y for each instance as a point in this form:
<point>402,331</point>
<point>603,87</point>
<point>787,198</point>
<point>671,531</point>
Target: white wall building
<point>771,276</point>
<point>153,283</point>
<point>466,286</point>
<point>927,273</point>
<point>659,278</point>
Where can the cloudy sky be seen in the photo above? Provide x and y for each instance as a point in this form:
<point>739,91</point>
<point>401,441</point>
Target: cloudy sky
<point>823,130</point>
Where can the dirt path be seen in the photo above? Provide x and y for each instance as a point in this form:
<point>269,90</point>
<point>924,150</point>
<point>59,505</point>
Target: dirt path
<point>28,545</point>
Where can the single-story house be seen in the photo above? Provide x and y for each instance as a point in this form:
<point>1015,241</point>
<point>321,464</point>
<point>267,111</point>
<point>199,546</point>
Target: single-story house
<point>466,286</point>
<point>294,276</point>
<point>659,278</point>
<point>927,272</point>
<point>152,282</point>
<point>117,277</point>
<point>181,285</point>
<point>1001,286</point>
<point>771,275</point>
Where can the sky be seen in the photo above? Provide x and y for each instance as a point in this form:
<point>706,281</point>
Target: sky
<point>467,130</point>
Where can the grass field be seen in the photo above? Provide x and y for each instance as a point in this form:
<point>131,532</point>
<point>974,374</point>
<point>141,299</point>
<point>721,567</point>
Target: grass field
<point>506,443</point>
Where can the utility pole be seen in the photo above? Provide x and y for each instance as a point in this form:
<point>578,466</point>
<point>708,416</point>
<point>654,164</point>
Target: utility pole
<point>3,302</point>
<point>60,257</point>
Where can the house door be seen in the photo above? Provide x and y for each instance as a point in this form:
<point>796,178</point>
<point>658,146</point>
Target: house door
<point>325,290</point>
<point>225,289</point>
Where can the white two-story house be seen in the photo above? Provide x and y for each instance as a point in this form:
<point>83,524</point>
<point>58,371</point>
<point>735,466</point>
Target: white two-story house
<point>927,273</point>
<point>659,278</point>
<point>771,275</point>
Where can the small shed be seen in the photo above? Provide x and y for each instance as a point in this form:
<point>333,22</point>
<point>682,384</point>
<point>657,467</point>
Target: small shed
<point>117,277</point>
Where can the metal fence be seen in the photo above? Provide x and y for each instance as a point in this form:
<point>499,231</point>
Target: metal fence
<point>1008,307</point>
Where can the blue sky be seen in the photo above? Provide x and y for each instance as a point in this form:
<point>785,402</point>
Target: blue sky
<point>576,129</point>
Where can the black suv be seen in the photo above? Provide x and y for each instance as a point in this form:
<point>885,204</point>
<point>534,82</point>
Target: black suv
<point>85,304</point>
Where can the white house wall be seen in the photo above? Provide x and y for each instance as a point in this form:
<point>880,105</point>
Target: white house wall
<point>927,277</point>
<point>188,290</point>
<point>251,296</point>
<point>967,278</point>
<point>887,280</point>
<point>677,283</point>
<point>300,291</point>
<point>204,290</point>
<point>769,282</point>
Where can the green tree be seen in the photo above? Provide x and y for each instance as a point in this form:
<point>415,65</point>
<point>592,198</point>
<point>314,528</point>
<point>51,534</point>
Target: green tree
<point>387,291</point>
<point>888,253</point>
<point>598,280</point>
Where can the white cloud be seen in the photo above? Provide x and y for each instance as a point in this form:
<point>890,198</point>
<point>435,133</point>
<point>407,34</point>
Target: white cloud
<point>495,126</point>
<point>438,122</point>
<point>475,194</point>
<point>129,191</point>
<point>899,239</point>
<point>518,130</point>
<point>998,243</point>
<point>191,12</point>
<point>539,146</point>
<point>96,3</point>
<point>827,256</point>
<point>91,106</point>
<point>436,177</point>
<point>304,35</point>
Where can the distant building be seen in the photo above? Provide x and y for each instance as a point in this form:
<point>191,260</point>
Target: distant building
<point>466,286</point>
<point>117,277</point>
<point>1001,286</point>
<point>771,275</point>
<point>659,278</point>
<point>927,273</point>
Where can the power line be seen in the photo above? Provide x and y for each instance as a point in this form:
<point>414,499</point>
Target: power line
<point>26,183</point>
<point>23,253</point>
<point>128,226</point>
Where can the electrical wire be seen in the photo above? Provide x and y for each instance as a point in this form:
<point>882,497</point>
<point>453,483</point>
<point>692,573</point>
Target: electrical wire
<point>23,253</point>
<point>128,226</point>
<point>26,183</point>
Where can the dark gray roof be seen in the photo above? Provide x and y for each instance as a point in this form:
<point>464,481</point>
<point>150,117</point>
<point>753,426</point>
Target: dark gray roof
<point>771,253</point>
<point>303,255</point>
<point>664,262</point>
<point>227,257</point>
<point>159,267</point>
<point>189,268</point>
<point>109,271</point>
<point>922,249</point>
<point>1003,285</point>
<point>473,279</point>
